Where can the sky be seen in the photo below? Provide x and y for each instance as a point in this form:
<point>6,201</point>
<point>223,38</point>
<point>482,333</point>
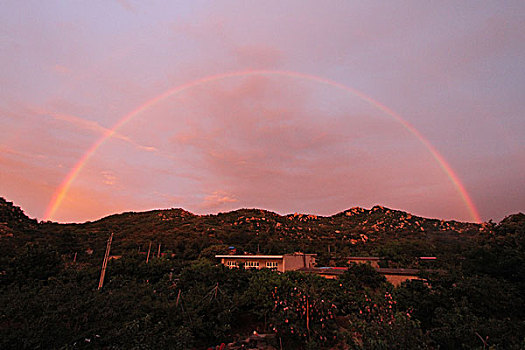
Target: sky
<point>290,106</point>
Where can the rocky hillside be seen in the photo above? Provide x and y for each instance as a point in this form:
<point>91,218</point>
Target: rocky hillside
<point>12,218</point>
<point>356,231</point>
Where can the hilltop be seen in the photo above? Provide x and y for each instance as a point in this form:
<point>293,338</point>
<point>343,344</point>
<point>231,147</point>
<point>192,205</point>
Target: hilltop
<point>396,234</point>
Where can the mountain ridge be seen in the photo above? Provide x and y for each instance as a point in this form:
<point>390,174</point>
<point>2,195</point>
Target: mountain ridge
<point>355,231</point>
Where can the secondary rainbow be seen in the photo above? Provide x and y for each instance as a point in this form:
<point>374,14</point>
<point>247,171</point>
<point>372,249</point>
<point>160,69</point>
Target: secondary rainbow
<point>61,192</point>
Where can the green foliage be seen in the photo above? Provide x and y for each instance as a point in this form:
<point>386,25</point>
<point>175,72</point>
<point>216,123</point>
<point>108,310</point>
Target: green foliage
<point>301,312</point>
<point>35,263</point>
<point>210,252</point>
<point>466,310</point>
<point>361,276</point>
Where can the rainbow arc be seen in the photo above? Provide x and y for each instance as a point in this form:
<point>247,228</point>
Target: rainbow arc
<point>61,192</point>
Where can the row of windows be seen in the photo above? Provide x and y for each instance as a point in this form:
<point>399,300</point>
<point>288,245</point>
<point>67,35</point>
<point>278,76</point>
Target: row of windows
<point>231,264</point>
<point>252,264</point>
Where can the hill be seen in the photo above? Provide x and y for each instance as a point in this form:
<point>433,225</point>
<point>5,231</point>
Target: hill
<point>380,231</point>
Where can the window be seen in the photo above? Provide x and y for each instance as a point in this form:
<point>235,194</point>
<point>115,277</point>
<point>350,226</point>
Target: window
<point>251,265</point>
<point>231,264</point>
<point>272,265</point>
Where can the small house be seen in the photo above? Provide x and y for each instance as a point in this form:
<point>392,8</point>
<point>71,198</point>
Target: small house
<point>282,263</point>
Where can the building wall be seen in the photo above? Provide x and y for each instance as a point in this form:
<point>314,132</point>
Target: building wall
<point>246,261</point>
<point>297,261</point>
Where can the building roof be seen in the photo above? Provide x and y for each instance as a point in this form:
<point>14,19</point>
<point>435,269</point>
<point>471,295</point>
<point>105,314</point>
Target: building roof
<point>323,270</point>
<point>386,271</point>
<point>247,256</point>
<point>341,270</point>
<point>253,256</point>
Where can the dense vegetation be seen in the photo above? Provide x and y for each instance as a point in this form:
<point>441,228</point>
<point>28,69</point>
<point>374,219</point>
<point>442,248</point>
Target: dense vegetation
<point>49,275</point>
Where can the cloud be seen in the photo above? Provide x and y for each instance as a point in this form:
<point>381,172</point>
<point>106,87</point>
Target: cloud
<point>89,203</point>
<point>19,154</point>
<point>263,144</point>
<point>258,56</point>
<point>217,200</point>
<point>109,178</point>
<point>61,69</point>
<point>126,5</point>
<point>95,127</point>
<point>27,179</point>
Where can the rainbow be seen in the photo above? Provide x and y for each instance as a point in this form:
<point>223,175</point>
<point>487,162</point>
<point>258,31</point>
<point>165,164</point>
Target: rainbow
<point>61,192</point>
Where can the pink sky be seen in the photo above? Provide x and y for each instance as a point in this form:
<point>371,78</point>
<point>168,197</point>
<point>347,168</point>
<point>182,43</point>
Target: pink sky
<point>453,70</point>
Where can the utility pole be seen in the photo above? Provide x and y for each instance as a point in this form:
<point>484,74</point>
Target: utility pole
<point>178,297</point>
<point>308,315</point>
<point>149,250</point>
<point>105,262</point>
